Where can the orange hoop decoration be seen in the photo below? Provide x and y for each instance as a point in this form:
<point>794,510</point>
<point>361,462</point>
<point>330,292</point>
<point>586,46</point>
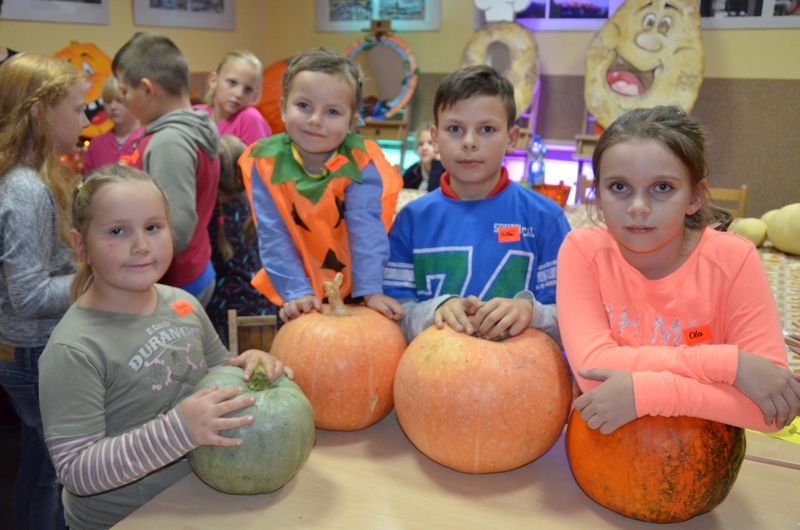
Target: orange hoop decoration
<point>409,63</point>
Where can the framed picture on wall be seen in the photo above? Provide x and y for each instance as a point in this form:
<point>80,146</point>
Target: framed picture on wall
<point>211,14</point>
<point>82,11</point>
<point>355,15</point>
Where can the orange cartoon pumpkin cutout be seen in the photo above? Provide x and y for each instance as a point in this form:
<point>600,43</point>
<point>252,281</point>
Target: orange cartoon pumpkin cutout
<point>97,67</point>
<point>271,91</point>
<point>649,53</point>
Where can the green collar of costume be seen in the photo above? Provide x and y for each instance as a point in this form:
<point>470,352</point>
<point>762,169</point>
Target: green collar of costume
<point>287,169</point>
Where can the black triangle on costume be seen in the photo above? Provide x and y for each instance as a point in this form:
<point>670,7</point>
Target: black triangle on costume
<point>332,262</point>
<point>296,218</point>
<point>340,208</point>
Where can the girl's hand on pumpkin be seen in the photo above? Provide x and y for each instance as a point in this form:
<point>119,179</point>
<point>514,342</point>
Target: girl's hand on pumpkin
<point>501,317</point>
<point>204,411</point>
<point>775,390</point>
<point>386,305</point>
<point>248,360</point>
<point>298,306</point>
<point>456,311</point>
<point>609,405</point>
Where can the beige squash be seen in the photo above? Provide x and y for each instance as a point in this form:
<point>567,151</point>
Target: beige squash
<point>783,229</point>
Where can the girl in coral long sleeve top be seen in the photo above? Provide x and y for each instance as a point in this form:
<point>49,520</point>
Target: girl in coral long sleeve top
<point>659,314</point>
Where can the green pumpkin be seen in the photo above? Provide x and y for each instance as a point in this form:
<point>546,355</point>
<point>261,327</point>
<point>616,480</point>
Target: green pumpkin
<point>274,447</point>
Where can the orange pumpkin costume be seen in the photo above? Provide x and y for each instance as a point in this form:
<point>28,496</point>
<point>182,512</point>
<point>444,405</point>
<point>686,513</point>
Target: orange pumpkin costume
<point>360,188</point>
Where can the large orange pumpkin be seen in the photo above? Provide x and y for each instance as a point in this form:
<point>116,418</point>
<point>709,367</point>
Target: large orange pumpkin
<point>344,360</point>
<point>481,406</point>
<point>656,469</point>
<point>271,91</point>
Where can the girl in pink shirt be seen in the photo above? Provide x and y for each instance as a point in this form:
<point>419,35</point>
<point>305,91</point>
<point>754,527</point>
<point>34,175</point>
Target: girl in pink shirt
<point>120,141</point>
<point>232,88</point>
<point>659,314</point>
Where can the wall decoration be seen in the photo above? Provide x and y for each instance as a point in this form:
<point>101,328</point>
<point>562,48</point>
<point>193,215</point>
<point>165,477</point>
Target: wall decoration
<point>211,14</point>
<point>96,65</point>
<point>82,11</point>
<point>543,15</point>
<point>353,15</point>
<point>647,54</point>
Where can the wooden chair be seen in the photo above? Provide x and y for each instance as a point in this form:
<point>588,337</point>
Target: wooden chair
<point>732,200</point>
<point>245,332</point>
<point>586,194</point>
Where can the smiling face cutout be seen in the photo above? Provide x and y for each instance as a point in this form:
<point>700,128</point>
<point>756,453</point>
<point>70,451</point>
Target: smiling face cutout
<point>97,66</point>
<point>649,53</point>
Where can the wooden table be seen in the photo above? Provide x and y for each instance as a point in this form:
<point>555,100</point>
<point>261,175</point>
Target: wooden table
<point>376,479</point>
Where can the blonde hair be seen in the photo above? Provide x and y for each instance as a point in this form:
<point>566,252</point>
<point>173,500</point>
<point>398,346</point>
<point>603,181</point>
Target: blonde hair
<point>244,56</point>
<point>111,89</point>
<point>424,128</point>
<point>231,185</point>
<point>82,212</point>
<point>27,80</point>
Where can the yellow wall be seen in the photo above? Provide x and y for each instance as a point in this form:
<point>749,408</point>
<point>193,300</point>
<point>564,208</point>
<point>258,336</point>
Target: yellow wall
<point>203,48</point>
<point>275,29</point>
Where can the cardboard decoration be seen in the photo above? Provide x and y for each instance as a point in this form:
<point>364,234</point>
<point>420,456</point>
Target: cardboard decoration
<point>523,57</point>
<point>97,66</point>
<point>649,53</point>
<point>271,92</point>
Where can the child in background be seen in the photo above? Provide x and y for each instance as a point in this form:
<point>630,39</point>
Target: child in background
<point>232,88</point>
<point>41,118</point>
<point>425,174</point>
<point>485,261</point>
<point>323,197</point>
<point>120,141</point>
<point>119,369</point>
<point>661,315</point>
<point>234,248</point>
<point>179,149</point>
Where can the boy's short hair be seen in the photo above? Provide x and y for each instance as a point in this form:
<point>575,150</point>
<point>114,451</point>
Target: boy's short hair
<point>155,57</point>
<point>471,81</point>
<point>327,62</point>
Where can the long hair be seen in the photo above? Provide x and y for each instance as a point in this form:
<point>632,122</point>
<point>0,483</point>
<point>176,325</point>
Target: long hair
<point>245,56</point>
<point>82,211</point>
<point>682,136</point>
<point>231,185</point>
<point>25,136</point>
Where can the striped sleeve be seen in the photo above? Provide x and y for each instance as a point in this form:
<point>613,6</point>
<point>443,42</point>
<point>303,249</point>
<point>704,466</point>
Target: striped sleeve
<point>93,464</point>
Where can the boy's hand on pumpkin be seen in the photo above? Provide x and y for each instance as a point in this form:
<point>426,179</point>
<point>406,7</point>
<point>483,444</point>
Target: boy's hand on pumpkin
<point>456,311</point>
<point>248,360</point>
<point>775,390</point>
<point>204,411</point>
<point>501,317</point>
<point>298,306</point>
<point>386,305</point>
<point>611,404</point>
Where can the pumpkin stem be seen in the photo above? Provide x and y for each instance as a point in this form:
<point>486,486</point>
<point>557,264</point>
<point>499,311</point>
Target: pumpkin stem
<point>259,380</point>
<point>332,291</point>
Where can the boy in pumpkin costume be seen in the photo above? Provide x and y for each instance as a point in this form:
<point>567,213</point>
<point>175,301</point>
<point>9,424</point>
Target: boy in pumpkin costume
<point>485,261</point>
<point>322,197</point>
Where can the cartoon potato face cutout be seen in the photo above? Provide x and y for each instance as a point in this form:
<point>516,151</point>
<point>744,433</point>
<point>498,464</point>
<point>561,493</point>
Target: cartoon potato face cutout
<point>649,53</point>
<point>97,67</point>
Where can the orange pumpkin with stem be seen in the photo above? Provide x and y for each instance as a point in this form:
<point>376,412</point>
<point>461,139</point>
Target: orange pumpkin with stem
<point>344,360</point>
<point>656,469</point>
<point>482,406</point>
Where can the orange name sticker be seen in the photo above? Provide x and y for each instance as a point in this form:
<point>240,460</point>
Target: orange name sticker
<point>336,162</point>
<point>183,308</point>
<point>508,234</point>
<point>697,335</point>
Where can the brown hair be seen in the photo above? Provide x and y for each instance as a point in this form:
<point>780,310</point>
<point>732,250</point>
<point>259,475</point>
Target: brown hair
<point>245,56</point>
<point>471,81</point>
<point>681,135</point>
<point>82,210</point>
<point>327,62</point>
<point>26,80</point>
<point>231,185</point>
<point>155,57</point>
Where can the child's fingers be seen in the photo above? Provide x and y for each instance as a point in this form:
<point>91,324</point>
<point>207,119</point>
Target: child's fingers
<point>459,321</point>
<point>226,424</point>
<point>288,372</point>
<point>224,441</point>
<point>597,374</point>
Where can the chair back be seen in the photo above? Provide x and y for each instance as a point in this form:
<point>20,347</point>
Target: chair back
<point>587,193</point>
<point>246,332</point>
<point>732,200</point>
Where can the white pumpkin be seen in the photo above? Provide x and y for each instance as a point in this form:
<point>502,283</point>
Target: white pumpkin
<point>783,229</point>
<point>750,228</point>
<point>768,215</point>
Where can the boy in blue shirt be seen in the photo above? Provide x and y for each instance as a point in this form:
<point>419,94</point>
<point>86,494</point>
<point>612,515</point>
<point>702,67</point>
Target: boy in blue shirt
<point>485,262</point>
